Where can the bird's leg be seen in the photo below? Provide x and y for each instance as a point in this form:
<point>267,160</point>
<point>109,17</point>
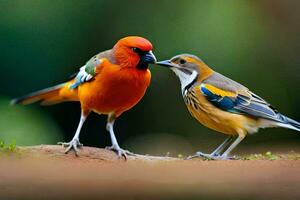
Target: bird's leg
<point>74,143</point>
<point>224,156</point>
<point>221,148</point>
<point>216,152</point>
<point>115,146</point>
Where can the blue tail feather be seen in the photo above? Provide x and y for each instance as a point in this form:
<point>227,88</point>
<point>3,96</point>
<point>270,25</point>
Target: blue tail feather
<point>293,123</point>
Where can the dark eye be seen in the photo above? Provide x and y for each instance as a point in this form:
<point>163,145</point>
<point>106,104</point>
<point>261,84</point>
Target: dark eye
<point>182,61</point>
<point>134,49</point>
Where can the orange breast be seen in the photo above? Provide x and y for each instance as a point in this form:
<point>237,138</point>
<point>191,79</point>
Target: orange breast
<point>114,89</point>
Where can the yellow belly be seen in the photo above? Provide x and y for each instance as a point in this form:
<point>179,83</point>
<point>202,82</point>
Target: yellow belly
<point>221,121</point>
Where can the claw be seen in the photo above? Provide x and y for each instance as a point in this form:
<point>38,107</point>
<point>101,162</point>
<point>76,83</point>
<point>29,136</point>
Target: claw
<point>211,156</point>
<point>73,144</point>
<point>120,152</point>
<point>199,155</point>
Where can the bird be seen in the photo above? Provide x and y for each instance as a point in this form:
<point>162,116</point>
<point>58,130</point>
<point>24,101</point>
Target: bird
<point>110,83</point>
<point>222,104</point>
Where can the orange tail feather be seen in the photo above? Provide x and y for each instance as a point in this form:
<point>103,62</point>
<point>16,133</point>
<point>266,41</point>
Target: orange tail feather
<point>46,96</point>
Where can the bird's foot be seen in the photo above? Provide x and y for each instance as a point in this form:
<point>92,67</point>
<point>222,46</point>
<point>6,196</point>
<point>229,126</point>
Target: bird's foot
<point>120,152</point>
<point>73,144</point>
<point>211,156</point>
<point>202,155</point>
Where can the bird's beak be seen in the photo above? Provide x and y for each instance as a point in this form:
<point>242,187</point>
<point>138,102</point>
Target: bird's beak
<point>148,57</point>
<point>165,63</point>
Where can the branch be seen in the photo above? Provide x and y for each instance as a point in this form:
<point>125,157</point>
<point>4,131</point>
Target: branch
<point>85,153</point>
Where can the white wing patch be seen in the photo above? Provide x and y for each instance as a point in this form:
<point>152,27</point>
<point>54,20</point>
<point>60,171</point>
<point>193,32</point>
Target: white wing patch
<point>83,75</point>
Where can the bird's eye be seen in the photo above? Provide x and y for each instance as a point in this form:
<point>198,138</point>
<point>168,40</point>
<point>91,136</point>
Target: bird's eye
<point>182,61</point>
<point>134,49</point>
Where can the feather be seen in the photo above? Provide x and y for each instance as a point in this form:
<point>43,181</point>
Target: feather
<point>226,84</point>
<point>249,104</point>
<point>220,99</point>
<point>86,72</point>
<point>49,95</point>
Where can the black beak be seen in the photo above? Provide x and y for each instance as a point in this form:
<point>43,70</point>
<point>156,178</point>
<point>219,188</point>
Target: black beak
<point>165,63</point>
<point>148,58</point>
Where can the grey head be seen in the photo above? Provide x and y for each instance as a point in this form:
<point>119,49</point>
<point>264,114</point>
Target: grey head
<point>185,66</point>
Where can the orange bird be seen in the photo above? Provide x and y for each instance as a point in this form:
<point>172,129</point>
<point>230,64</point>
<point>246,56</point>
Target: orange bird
<point>110,83</point>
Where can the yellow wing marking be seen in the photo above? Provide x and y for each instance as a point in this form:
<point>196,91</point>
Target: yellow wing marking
<point>218,91</point>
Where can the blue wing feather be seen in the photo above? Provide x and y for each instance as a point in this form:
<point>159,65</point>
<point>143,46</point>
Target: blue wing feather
<point>244,102</point>
<point>252,105</point>
<point>225,103</point>
<point>77,82</point>
<point>86,72</point>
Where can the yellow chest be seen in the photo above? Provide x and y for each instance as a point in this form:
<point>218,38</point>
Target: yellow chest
<point>213,117</point>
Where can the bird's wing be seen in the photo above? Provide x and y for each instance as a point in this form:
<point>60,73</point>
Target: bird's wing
<point>231,96</point>
<point>88,71</point>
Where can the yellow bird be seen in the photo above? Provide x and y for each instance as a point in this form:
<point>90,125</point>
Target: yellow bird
<point>222,104</point>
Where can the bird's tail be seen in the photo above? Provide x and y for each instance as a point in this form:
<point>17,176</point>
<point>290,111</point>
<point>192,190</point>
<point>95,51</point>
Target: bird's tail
<point>289,123</point>
<point>46,96</point>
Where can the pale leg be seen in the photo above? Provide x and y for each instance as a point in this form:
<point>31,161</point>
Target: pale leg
<point>115,146</point>
<point>224,156</point>
<point>74,143</point>
<point>219,150</point>
<point>216,152</point>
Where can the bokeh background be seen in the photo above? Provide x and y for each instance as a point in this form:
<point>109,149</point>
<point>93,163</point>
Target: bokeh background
<point>256,43</point>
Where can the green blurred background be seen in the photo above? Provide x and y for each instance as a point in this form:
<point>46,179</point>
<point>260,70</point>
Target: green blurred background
<point>256,43</point>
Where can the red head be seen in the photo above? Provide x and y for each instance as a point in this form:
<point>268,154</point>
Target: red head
<point>134,51</point>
